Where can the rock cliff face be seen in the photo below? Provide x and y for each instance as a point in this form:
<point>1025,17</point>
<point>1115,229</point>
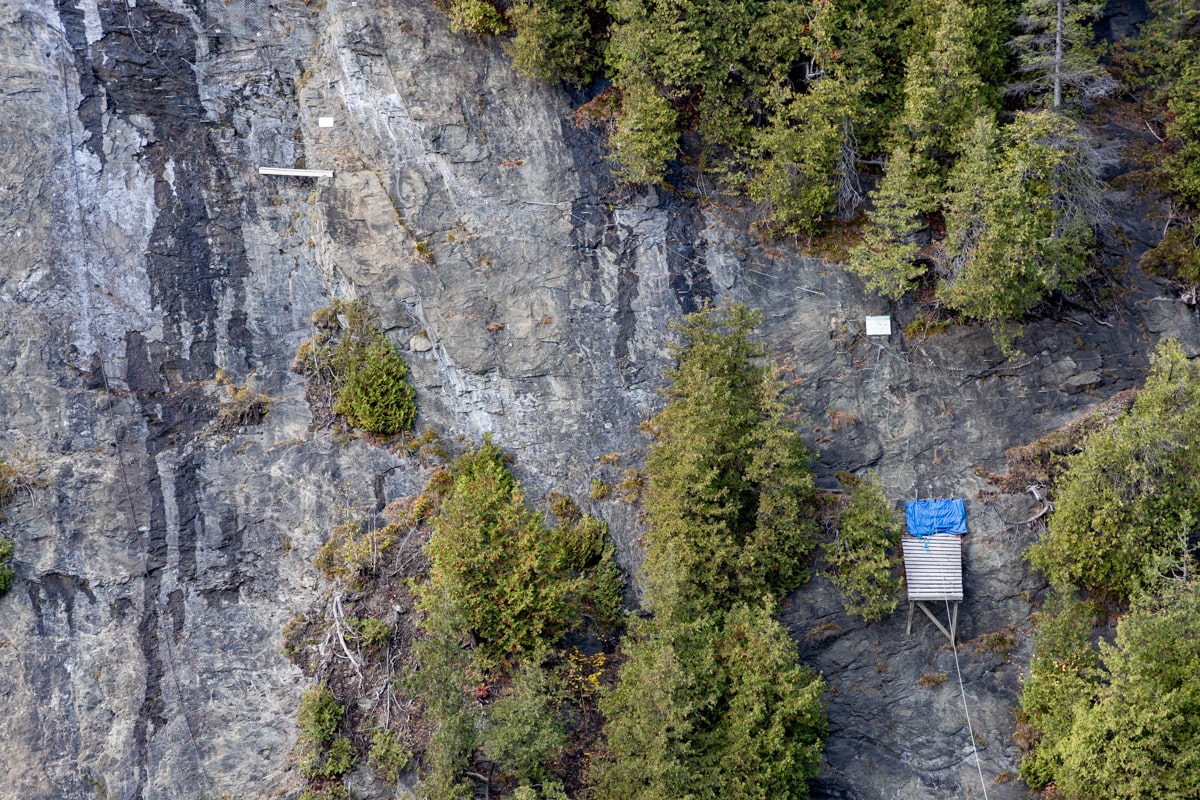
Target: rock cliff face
<point>149,269</point>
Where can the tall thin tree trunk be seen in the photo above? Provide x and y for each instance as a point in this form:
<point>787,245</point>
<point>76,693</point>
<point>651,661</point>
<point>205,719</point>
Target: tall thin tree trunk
<point>1058,54</point>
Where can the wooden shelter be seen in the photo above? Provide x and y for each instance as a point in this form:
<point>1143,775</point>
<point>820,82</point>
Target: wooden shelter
<point>933,571</point>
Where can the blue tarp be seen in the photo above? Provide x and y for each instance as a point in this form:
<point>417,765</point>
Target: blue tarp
<point>927,517</point>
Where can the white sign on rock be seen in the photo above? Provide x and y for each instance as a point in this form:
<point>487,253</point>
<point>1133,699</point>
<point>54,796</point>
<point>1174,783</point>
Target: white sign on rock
<point>879,326</point>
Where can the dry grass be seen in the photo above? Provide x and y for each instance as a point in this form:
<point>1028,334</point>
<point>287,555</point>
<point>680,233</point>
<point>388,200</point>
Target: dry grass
<point>932,680</point>
<point>1040,461</point>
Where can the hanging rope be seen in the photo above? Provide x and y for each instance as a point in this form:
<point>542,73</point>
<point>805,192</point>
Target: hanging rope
<point>963,693</point>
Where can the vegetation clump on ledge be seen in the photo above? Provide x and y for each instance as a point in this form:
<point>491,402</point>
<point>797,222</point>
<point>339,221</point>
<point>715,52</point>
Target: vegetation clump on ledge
<point>14,476</point>
<point>360,369</point>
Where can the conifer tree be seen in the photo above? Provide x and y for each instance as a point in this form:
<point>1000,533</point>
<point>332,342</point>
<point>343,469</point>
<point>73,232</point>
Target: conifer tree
<point>1021,224</point>
<point>1058,60</point>
<point>944,92</point>
<point>729,496</point>
<point>711,701</point>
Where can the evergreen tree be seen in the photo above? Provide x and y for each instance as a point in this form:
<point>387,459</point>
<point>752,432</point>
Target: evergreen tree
<point>558,39</point>
<point>862,569</point>
<point>944,92</point>
<point>1058,61</point>
<point>803,163</point>
<point>714,707</point>
<point>1139,736</point>
<point>886,258</point>
<point>729,495</point>
<point>1021,222</point>
<point>711,701</point>
<point>1133,490</point>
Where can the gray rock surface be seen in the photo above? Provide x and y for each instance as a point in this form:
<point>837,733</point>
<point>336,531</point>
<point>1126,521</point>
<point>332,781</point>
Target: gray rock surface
<point>147,262</point>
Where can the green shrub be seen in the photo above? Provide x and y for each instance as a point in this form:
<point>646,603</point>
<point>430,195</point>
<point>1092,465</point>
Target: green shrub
<point>376,396</point>
<point>322,755</point>
<point>1021,223</point>
<point>320,713</point>
<point>796,165</point>
<point>372,633</point>
<point>886,258</point>
<point>446,670</point>
<point>524,731</point>
<point>1133,490</point>
<point>1125,723</point>
<point>389,755</point>
<point>1183,165</point>
<point>493,563</point>
<point>859,555</point>
<point>332,791</point>
<point>476,16</point>
<point>1177,255</point>
<point>7,573</point>
<point>646,135</point>
<point>361,366</point>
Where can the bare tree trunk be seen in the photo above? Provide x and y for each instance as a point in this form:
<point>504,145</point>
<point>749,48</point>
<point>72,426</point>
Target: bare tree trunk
<point>1058,54</point>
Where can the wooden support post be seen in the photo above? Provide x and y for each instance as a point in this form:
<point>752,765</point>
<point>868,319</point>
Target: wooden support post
<point>908,632</point>
<point>935,620</point>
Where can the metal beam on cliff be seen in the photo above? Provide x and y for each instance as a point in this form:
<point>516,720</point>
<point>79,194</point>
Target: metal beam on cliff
<point>296,173</point>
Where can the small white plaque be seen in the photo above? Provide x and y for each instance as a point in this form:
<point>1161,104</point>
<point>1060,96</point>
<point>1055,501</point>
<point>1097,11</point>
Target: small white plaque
<point>325,122</point>
<point>879,326</point>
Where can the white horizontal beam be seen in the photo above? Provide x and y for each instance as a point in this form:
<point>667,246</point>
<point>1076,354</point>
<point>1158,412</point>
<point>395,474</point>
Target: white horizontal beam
<point>296,173</point>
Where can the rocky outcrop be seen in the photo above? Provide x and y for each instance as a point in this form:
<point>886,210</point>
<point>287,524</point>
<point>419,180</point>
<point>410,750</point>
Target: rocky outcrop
<point>149,267</point>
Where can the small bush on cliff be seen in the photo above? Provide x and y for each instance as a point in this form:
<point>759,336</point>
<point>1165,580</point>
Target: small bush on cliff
<point>323,755</point>
<point>524,731</point>
<point>558,39</point>
<point>1021,222</point>
<point>859,555</point>
<point>503,588</point>
<point>7,573</point>
<point>389,755</point>
<point>363,369</point>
